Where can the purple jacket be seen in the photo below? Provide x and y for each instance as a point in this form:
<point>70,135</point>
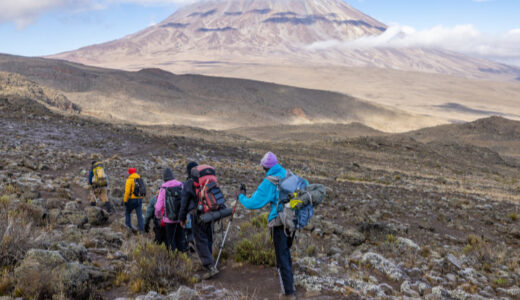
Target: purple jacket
<point>160,206</point>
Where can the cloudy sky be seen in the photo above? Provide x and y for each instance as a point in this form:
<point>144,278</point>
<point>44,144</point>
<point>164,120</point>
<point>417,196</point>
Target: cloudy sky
<point>486,28</point>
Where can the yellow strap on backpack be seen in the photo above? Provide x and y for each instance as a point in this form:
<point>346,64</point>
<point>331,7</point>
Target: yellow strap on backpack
<point>294,203</point>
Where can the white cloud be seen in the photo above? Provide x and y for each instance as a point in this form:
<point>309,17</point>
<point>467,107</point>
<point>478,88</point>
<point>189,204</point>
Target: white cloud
<point>24,12</point>
<point>464,39</point>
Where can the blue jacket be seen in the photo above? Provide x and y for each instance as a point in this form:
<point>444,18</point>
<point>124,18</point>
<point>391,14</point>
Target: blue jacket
<point>266,193</point>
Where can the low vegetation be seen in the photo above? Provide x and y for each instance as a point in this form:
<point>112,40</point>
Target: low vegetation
<point>155,268</point>
<point>255,244</point>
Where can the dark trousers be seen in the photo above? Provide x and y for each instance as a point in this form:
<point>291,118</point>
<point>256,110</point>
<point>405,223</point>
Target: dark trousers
<point>175,237</point>
<point>282,248</point>
<point>136,204</point>
<point>160,232</point>
<point>203,234</point>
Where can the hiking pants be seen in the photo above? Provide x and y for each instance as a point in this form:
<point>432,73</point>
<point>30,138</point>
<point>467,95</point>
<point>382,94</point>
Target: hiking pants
<point>175,237</point>
<point>282,248</point>
<point>203,234</point>
<point>136,204</point>
<point>160,232</point>
<point>98,193</point>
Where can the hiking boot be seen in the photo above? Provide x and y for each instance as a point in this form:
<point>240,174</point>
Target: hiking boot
<point>211,271</point>
<point>108,208</point>
<point>287,297</point>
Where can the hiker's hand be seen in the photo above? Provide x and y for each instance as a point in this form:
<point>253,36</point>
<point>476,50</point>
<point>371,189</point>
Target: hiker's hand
<point>243,189</point>
<point>183,224</point>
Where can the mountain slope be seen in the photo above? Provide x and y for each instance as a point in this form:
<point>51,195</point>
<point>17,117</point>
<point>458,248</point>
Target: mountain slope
<point>157,97</point>
<point>278,32</point>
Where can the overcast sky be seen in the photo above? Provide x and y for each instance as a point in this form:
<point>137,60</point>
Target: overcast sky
<point>487,28</point>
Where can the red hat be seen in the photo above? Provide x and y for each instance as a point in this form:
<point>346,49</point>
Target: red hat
<point>132,171</point>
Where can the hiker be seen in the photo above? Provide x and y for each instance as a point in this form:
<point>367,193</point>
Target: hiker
<point>167,209</point>
<point>267,193</point>
<point>159,228</point>
<point>202,232</point>
<point>135,191</point>
<point>98,181</point>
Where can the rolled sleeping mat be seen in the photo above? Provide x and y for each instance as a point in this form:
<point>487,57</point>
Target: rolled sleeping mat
<point>216,215</point>
<point>314,193</point>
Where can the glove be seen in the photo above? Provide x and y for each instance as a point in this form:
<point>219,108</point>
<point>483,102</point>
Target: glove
<point>243,189</point>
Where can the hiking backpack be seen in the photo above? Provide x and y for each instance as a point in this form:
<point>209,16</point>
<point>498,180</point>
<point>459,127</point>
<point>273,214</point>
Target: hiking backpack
<point>209,195</point>
<point>294,189</point>
<point>99,179</point>
<point>172,202</point>
<point>139,188</point>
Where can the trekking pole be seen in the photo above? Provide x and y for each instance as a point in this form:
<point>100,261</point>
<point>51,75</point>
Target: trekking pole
<point>226,233</point>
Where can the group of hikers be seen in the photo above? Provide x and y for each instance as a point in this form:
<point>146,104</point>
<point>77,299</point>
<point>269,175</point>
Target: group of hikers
<point>183,213</point>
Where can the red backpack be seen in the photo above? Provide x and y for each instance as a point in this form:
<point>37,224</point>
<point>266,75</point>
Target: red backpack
<point>210,197</point>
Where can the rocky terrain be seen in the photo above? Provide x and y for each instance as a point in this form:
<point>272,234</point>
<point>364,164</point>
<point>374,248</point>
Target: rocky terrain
<point>403,218</point>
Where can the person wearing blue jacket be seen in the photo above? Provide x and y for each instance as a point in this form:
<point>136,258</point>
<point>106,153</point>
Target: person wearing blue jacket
<point>267,193</point>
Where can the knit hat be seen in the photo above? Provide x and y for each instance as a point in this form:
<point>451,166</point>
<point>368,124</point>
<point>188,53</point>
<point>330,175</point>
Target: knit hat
<point>168,175</point>
<point>269,160</point>
<point>132,171</point>
<point>190,166</point>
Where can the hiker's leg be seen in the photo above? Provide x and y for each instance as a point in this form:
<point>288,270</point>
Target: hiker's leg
<point>128,212</point>
<point>180,238</point>
<point>139,212</point>
<point>283,260</point>
<point>170,236</point>
<point>92,196</point>
<point>202,242</point>
<point>103,194</point>
<point>209,233</point>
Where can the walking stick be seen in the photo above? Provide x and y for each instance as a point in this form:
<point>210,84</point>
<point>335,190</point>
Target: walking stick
<point>226,233</point>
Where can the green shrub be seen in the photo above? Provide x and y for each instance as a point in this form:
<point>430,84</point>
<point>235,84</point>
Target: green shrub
<point>513,216</point>
<point>155,268</point>
<point>255,244</point>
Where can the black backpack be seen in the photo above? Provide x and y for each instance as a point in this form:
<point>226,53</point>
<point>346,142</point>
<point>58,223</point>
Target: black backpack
<point>139,188</point>
<point>173,202</point>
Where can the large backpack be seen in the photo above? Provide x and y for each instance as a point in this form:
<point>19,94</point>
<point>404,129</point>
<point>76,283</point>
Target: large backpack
<point>173,202</point>
<point>293,189</point>
<point>139,188</point>
<point>100,178</point>
<point>209,195</point>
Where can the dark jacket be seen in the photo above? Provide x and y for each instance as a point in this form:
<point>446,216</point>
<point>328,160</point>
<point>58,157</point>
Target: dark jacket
<point>188,199</point>
<point>90,176</point>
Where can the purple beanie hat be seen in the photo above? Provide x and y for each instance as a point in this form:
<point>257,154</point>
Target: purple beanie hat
<point>269,160</point>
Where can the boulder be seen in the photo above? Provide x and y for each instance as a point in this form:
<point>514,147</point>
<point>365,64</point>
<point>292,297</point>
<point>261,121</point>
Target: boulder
<point>383,265</point>
<point>72,251</point>
<point>71,206</point>
<point>96,215</point>
<point>407,244</point>
<point>74,279</point>
<point>353,237</point>
<point>183,293</point>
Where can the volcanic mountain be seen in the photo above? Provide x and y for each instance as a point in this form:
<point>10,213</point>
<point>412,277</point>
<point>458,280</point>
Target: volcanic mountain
<point>274,41</point>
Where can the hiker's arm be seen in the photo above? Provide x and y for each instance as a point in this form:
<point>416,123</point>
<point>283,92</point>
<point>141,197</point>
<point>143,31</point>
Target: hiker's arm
<point>186,197</point>
<point>263,195</point>
<point>90,175</point>
<point>159,205</point>
<point>150,209</point>
<point>128,189</point>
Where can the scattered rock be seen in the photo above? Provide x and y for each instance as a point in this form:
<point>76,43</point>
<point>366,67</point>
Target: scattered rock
<point>383,265</point>
<point>96,215</point>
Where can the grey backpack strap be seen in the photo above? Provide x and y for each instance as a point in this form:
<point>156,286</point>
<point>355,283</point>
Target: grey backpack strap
<point>274,180</point>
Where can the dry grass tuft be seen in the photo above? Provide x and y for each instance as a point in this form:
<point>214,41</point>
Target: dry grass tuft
<point>155,268</point>
<point>255,245</point>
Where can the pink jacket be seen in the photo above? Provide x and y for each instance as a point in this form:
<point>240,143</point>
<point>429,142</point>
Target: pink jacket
<point>160,206</point>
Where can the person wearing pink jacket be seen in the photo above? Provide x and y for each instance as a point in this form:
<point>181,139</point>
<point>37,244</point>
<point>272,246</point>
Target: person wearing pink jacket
<point>167,209</point>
